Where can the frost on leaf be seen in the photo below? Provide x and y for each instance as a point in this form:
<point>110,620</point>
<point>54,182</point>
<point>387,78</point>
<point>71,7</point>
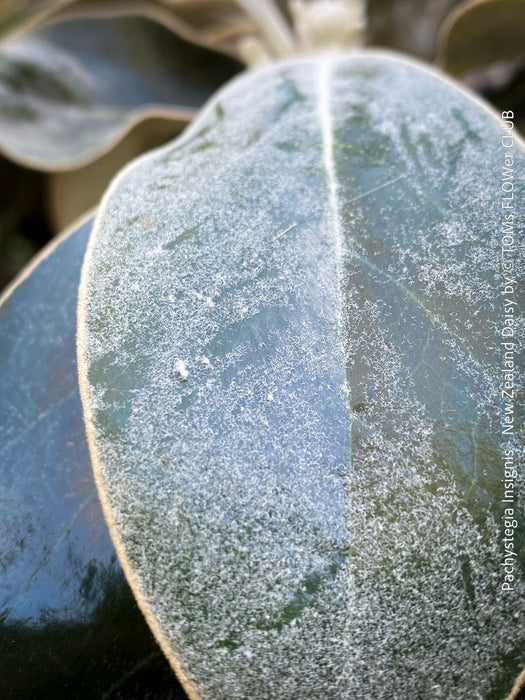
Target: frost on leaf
<point>315,511</point>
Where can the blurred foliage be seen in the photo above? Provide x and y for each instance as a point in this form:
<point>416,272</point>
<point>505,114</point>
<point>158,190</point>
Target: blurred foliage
<point>70,90</point>
<point>24,221</point>
<point>16,14</point>
<point>407,25</point>
<point>481,32</point>
<point>33,206</point>
<point>482,43</point>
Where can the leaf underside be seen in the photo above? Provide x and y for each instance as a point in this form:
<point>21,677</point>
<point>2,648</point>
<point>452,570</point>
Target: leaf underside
<point>69,626</point>
<point>71,89</point>
<point>290,368</point>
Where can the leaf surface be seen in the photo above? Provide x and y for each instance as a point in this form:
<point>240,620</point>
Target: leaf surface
<point>74,192</point>
<point>290,363</point>
<point>71,89</point>
<point>68,622</point>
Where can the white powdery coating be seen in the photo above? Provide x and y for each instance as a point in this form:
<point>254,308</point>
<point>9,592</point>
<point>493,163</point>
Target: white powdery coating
<point>428,556</point>
<point>229,490</point>
<point>182,370</point>
<point>278,560</point>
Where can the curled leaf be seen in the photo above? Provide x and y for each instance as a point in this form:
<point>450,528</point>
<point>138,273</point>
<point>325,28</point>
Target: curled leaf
<point>214,24</point>
<point>22,229</point>
<point>71,89</point>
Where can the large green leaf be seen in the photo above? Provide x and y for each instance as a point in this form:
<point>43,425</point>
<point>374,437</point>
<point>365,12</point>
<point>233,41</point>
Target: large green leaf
<point>290,353</point>
<point>70,89</point>
<point>69,626</point>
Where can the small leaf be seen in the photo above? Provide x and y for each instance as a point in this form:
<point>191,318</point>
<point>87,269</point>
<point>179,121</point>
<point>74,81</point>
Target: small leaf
<point>480,32</point>
<point>290,365</point>
<point>69,626</point>
<point>71,89</point>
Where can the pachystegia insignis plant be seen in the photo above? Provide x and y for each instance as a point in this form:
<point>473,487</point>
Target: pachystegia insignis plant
<point>290,360</point>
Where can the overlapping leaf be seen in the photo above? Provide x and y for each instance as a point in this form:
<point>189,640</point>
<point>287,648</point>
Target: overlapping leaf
<point>69,625</point>
<point>290,348</point>
<point>70,89</point>
<point>214,24</point>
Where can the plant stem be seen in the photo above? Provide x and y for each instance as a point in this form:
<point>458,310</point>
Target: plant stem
<point>328,24</point>
<point>272,24</point>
